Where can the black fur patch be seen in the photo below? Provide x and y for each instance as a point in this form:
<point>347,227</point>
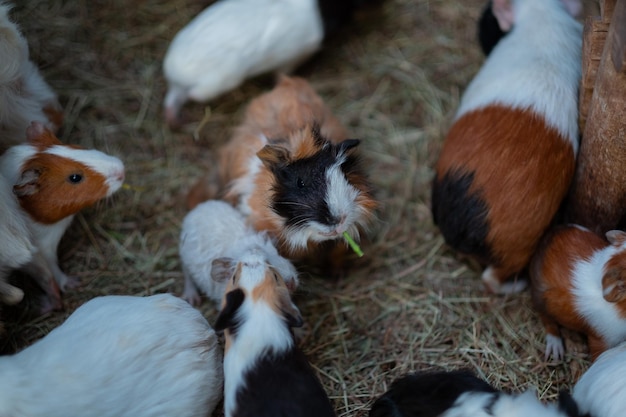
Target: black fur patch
<point>282,384</point>
<point>227,318</point>
<point>568,405</point>
<point>489,32</point>
<point>461,216</point>
<point>427,394</point>
<point>299,195</point>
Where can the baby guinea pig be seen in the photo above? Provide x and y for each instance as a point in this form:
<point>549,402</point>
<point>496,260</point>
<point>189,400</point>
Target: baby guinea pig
<point>118,356</point>
<point>213,238</point>
<point>53,182</point>
<point>290,170</point>
<point>265,373</point>
<point>579,282</point>
<point>24,95</point>
<point>461,394</point>
<point>508,159</point>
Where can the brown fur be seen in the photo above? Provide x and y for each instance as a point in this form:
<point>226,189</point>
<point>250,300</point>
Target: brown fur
<point>523,169</point>
<point>551,285</point>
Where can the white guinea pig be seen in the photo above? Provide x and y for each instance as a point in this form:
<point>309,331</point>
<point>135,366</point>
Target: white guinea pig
<point>16,248</point>
<point>52,182</point>
<point>601,391</point>
<point>215,230</point>
<point>24,95</point>
<point>232,40</point>
<point>118,356</point>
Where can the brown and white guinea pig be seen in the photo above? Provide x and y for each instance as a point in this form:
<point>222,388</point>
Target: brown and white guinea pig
<point>118,356</point>
<point>601,391</point>
<point>213,237</point>
<point>265,373</point>
<point>53,182</point>
<point>291,171</point>
<point>508,160</point>
<point>16,248</point>
<point>578,281</point>
<point>461,394</point>
<point>24,94</point>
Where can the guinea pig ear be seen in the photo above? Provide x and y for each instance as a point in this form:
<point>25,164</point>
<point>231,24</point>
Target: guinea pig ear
<point>503,12</point>
<point>613,285</point>
<point>38,135</point>
<point>226,318</point>
<point>616,237</point>
<point>290,311</point>
<point>346,145</point>
<point>272,155</point>
<point>28,184</point>
<point>222,269</point>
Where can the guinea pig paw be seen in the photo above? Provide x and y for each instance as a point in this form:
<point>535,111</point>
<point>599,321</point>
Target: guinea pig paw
<point>193,299</point>
<point>69,282</point>
<point>554,348</point>
<point>50,304</point>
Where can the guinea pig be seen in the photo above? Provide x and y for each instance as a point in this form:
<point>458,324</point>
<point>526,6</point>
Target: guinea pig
<point>214,236</point>
<point>265,373</point>
<point>118,356</point>
<point>231,41</point>
<point>24,94</point>
<point>509,157</point>
<point>16,248</point>
<point>497,20</point>
<point>601,391</point>
<point>290,170</point>
<point>53,182</point>
<point>461,394</point>
<point>578,281</point>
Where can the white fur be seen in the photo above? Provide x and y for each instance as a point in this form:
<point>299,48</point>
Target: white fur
<point>19,106</point>
<point>261,329</point>
<point>523,405</point>
<point>46,237</point>
<point>245,185</point>
<point>236,39</point>
<point>537,66</point>
<point>118,356</point>
<point>601,315</point>
<point>601,390</point>
<point>215,229</point>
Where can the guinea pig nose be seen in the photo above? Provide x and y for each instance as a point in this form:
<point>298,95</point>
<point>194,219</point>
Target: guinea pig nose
<point>120,175</point>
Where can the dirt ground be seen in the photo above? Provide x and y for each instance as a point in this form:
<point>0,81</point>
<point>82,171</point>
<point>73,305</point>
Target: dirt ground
<point>393,77</point>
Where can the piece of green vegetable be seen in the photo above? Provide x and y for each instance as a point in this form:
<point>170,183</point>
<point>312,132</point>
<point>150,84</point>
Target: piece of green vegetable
<point>355,247</point>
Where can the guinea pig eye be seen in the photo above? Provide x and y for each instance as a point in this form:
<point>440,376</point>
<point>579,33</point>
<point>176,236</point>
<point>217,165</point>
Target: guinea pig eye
<point>75,178</point>
<point>300,183</point>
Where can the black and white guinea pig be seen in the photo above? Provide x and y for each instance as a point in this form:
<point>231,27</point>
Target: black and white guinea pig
<point>24,94</point>
<point>53,182</point>
<point>509,157</point>
<point>461,394</point>
<point>291,171</point>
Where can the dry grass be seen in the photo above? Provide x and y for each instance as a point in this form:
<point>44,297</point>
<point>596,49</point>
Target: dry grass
<point>394,78</point>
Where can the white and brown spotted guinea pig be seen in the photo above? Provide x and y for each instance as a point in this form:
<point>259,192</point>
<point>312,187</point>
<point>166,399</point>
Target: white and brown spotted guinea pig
<point>508,160</point>
<point>578,281</point>
<point>24,94</point>
<point>291,171</point>
<point>53,182</point>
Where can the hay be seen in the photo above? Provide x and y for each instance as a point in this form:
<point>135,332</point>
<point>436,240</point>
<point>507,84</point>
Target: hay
<point>394,78</point>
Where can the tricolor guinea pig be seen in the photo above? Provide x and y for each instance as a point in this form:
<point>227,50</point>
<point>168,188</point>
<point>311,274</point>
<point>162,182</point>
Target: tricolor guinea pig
<point>578,281</point>
<point>24,94</point>
<point>265,373</point>
<point>291,171</point>
<point>53,182</point>
<point>508,160</point>
<point>213,238</point>
<point>118,356</point>
<point>461,394</point>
